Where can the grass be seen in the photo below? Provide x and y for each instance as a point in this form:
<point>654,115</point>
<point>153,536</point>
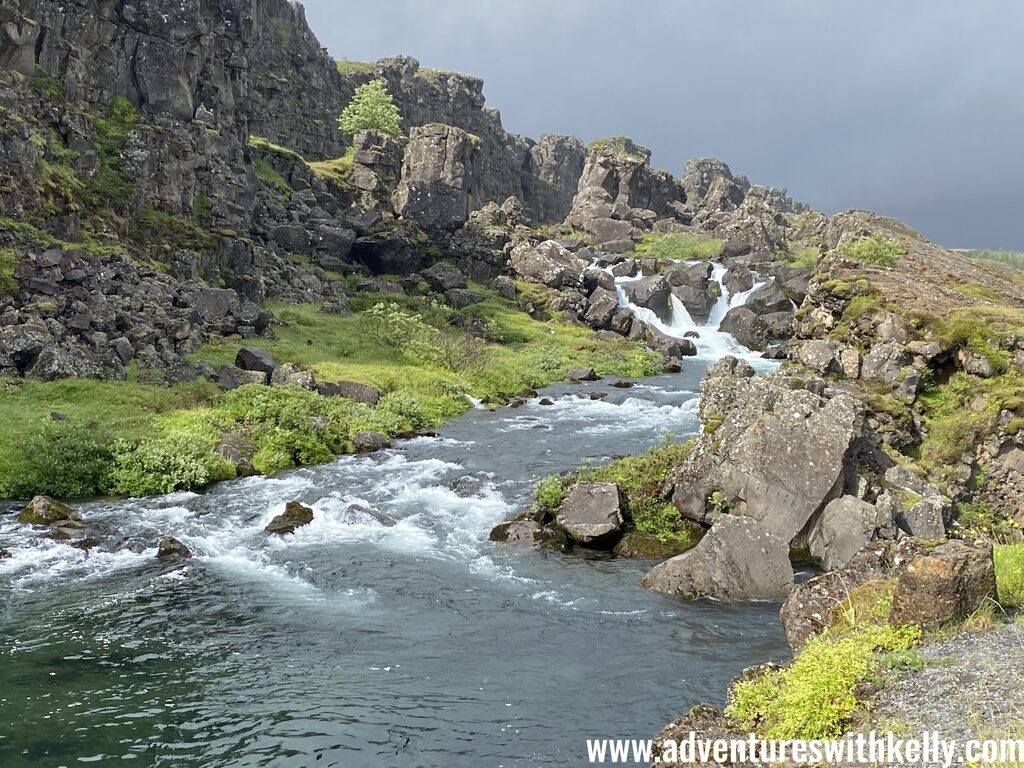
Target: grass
<point>9,259</point>
<point>1009,561</point>
<point>128,438</point>
<point>802,258</point>
<point>678,246</point>
<point>1013,258</point>
<point>642,480</point>
<point>348,67</point>
<point>879,250</point>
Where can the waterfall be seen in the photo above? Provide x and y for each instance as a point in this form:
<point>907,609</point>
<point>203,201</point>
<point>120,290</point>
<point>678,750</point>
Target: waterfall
<point>711,342</point>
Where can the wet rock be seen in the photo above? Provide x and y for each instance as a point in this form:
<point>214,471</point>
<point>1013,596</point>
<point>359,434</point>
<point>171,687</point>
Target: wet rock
<point>582,374</point>
<point>652,293</point>
<point>646,546</point>
<point>295,515</point>
<point>352,390</point>
<point>44,510</point>
<point>668,345</point>
<point>358,510</point>
<point>173,551</point>
<point>546,401</point>
<point>370,442</point>
<point>944,583</point>
<point>524,532</point>
<point>5,554</point>
<point>736,560</point>
<point>593,514</point>
<point>622,384</point>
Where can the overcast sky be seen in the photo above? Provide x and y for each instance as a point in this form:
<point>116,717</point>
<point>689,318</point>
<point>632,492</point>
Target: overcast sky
<point>913,108</point>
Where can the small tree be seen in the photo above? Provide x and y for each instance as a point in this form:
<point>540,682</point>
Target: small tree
<point>371,108</point>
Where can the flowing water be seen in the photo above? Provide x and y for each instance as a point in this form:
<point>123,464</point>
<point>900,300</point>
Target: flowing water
<point>357,642</point>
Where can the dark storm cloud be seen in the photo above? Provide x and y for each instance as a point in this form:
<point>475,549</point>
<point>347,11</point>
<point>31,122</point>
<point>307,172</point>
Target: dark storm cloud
<point>913,108</point>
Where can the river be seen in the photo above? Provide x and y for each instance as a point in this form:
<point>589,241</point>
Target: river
<point>355,643</point>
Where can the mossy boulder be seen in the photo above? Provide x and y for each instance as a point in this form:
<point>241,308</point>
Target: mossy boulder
<point>44,510</point>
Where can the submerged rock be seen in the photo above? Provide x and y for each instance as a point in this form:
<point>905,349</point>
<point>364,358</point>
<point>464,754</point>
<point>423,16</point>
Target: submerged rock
<point>44,510</point>
<point>173,551</point>
<point>295,516</point>
<point>525,532</point>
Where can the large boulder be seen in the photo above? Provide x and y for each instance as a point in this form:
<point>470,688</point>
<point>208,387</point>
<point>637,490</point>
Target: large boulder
<point>295,515</point>
<point>843,529</point>
<point>769,298</point>
<point>255,359</point>
<point>652,293</point>
<point>738,559</point>
<point>668,345</point>
<point>758,332</point>
<point>526,532</point>
<point>441,177</point>
<point>44,510</point>
<point>774,454</point>
<point>548,263</point>
<point>593,515</point>
<point>601,308</point>
<point>944,583</point>
<point>172,551</point>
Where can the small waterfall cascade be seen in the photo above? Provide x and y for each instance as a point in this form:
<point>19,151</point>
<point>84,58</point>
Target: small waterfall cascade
<point>711,342</point>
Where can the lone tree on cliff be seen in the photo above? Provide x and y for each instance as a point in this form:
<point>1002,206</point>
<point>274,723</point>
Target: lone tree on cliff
<point>371,109</point>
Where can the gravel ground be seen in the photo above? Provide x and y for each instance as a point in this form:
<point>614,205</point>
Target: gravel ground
<point>972,687</point>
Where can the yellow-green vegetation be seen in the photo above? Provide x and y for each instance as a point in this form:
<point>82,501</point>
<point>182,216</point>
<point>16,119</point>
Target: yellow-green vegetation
<point>1009,561</point>
<point>614,143</point>
<point>167,231</point>
<point>961,411</point>
<point>815,697</point>
<point>371,108</point>
<point>983,330</point>
<point>70,457</point>
<point>8,263</point>
<point>642,481</point>
<point>677,246</point>
<point>128,438</point>
<point>110,185</point>
<point>879,250</point>
<point>338,170</point>
<point>348,67</point>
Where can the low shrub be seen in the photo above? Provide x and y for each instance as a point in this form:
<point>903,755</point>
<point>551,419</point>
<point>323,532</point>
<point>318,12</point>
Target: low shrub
<point>815,697</point>
<point>63,459</point>
<point>181,461</point>
<point>878,250</point>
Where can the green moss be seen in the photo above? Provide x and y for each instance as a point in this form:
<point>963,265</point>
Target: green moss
<point>1009,562</point>
<point>614,143</point>
<point>982,329</point>
<point>961,412</point>
<point>878,250</point>
<point>678,246</point>
<point>258,142</point>
<point>815,697</point>
<point>9,259</point>
<point>271,176</point>
<point>154,227</point>
<point>110,185</point>
<point>337,170</point>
